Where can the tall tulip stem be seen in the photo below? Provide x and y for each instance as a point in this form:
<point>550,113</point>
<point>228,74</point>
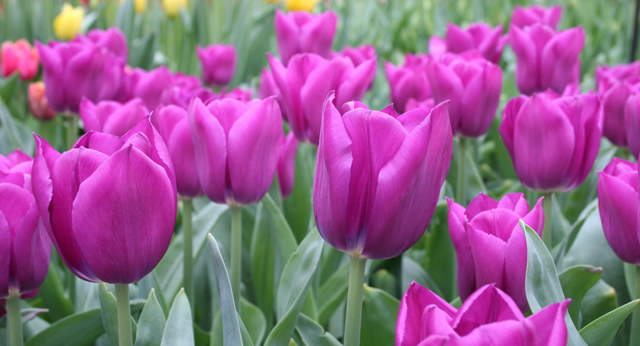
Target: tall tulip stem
<point>635,319</point>
<point>187,212</point>
<point>124,315</point>
<point>462,172</point>
<point>15,320</point>
<point>236,253</point>
<point>354,301</point>
<point>72,130</point>
<point>547,236</point>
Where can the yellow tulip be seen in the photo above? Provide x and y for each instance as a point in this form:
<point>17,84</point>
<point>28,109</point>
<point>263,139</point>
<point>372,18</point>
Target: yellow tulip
<point>273,1</point>
<point>138,5</point>
<point>172,7</point>
<point>69,22</point>
<point>300,5</point>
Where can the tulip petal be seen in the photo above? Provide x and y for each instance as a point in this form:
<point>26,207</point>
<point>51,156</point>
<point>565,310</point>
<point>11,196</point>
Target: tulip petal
<point>286,165</point>
<point>503,333</point>
<point>560,56</point>
<point>466,273</point>
<point>52,70</point>
<point>550,326</point>
<point>43,161</point>
<point>5,256</point>
<point>480,204</point>
<point>527,66</point>
<point>515,202</point>
<point>486,306</point>
<point>446,85</point>
<point>356,82</point>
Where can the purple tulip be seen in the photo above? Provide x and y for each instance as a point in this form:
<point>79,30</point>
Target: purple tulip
<point>413,104</point>
<point>218,63</point>
<point>243,95</point>
<point>287,164</point>
<point>490,246</point>
<point>553,141</point>
<point>303,32</point>
<point>268,86</point>
<point>237,148</point>
<point>357,55</point>
<point>479,37</point>
<point>109,203</point>
<point>112,117</point>
<point>25,248</point>
<point>632,123</point>
<point>615,85</point>
<point>489,317</point>
<point>172,124</point>
<point>618,205</point>
<point>546,58</point>
<point>378,177</point>
<point>473,85</point>
<point>527,16</point>
<point>409,81</point>
<point>89,67</point>
<point>305,83</point>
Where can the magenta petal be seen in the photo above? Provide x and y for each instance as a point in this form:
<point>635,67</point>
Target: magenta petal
<point>632,124</point>
<point>535,218</point>
<point>488,252</point>
<point>123,217</point>
<point>560,56</point>
<point>515,267</point>
<point>550,326</point>
<point>286,165</point>
<point>479,204</point>
<point>43,162</point>
<point>5,255</point>
<point>513,333</point>
<point>527,66</point>
<point>356,82</point>
<point>487,305</point>
<point>466,273</point>
<point>446,85</point>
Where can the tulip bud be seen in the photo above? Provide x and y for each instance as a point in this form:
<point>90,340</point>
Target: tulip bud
<point>546,58</point>
<point>301,32</point>
<point>615,85</point>
<point>68,23</point>
<point>172,7</point>
<point>25,248</point>
<point>553,141</point>
<point>488,317</point>
<point>109,204</point>
<point>21,57</point>
<point>478,37</point>
<point>490,245</point>
<point>112,117</point>
<point>378,177</point>
<point>287,164</point>
<point>473,85</point>
<point>618,205</point>
<point>237,147</point>
<point>527,16</point>
<point>305,83</point>
<point>409,81</point>
<point>38,104</point>
<point>300,5</point>
<point>218,62</point>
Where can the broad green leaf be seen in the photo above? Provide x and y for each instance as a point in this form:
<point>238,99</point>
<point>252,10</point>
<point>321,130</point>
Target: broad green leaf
<point>565,245</point>
<point>8,87</point>
<point>284,238</point>
<point>151,323</point>
<point>294,285</point>
<point>263,265</point>
<point>602,331</point>
<point>332,293</point>
<point>78,330</point>
<point>124,18</point>
<point>379,314</point>
<point>142,51</point>
<point>179,329</point>
<point>254,322</point>
<point>28,314</point>
<point>109,313</point>
<point>575,282</point>
<point>600,300</point>
<point>52,295</point>
<point>542,284</point>
<point>313,334</point>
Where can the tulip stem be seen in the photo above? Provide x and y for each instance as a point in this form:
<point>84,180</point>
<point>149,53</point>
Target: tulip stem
<point>547,235</point>
<point>72,130</point>
<point>635,319</point>
<point>236,254</point>
<point>187,212</point>
<point>124,315</point>
<point>462,171</point>
<point>354,301</point>
<point>15,319</point>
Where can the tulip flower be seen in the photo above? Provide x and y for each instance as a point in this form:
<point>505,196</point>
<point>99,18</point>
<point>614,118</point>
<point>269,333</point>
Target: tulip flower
<point>21,57</point>
<point>479,37</point>
<point>112,39</point>
<point>615,85</point>
<point>68,23</point>
<point>409,83</point>
<point>305,83</point>
<point>490,245</point>
<point>160,87</point>
<point>526,16</point>
<point>38,103</point>
<point>300,5</point>
<point>473,85</point>
<point>632,123</point>
<point>487,317</point>
<point>302,32</point>
<point>218,63</point>
<point>546,58</point>
<point>268,86</point>
<point>111,116</point>
<point>173,7</point>
<point>358,55</point>
<point>287,165</point>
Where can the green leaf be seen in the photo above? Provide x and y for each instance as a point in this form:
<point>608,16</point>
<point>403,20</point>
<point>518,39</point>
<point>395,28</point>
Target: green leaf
<point>332,293</point>
<point>542,284</point>
<point>230,328</point>
<point>313,334</point>
<point>298,207</point>
<point>263,264</point>
<point>109,313</point>
<point>294,285</point>
<point>151,323</point>
<point>575,282</point>
<point>8,87</point>
<point>440,259</point>
<point>124,18</point>
<point>602,331</point>
<point>285,240</point>
<point>142,50</point>
<point>52,295</point>
<point>78,330</point>
<point>179,326</point>
<point>379,315</point>
<point>600,300</point>
<point>561,249</point>
<point>254,321</point>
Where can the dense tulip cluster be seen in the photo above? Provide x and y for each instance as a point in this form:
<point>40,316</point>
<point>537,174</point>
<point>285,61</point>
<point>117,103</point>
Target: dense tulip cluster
<point>478,37</point>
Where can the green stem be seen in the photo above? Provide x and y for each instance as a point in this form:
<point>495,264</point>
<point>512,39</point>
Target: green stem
<point>15,319</point>
<point>353,318</point>
<point>72,130</point>
<point>187,211</point>
<point>236,254</point>
<point>635,319</point>
<point>124,315</point>
<point>462,172</point>
<point>547,235</point>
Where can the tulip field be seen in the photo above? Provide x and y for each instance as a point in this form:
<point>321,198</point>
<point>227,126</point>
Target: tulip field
<point>319,173</point>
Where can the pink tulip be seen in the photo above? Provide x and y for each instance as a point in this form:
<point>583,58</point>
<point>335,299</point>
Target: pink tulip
<point>527,16</point>
<point>38,104</point>
<point>632,123</point>
<point>303,32</point>
<point>21,57</point>
<point>218,63</point>
<point>615,85</point>
<point>112,117</point>
<point>409,82</point>
<point>268,86</point>
<point>287,164</point>
<point>357,55</point>
<point>478,37</point>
